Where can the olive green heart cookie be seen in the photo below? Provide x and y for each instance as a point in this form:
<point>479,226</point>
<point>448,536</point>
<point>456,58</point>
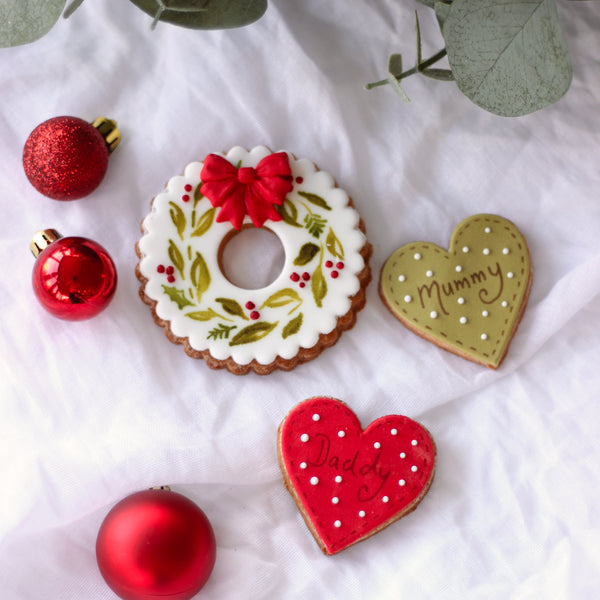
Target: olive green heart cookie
<point>468,300</point>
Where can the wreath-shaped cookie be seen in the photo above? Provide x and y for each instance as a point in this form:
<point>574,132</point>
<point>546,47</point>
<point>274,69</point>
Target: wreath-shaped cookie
<point>315,297</point>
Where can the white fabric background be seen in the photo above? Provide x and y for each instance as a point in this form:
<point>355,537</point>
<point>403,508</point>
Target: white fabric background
<point>93,411</point>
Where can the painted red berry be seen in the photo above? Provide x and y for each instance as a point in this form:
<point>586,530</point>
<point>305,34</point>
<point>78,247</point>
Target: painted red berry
<point>250,305</point>
<point>171,279</point>
<point>301,284</point>
<point>160,269</point>
<point>295,277</point>
<point>170,270</point>
<point>187,187</point>
<point>306,276</point>
<point>328,264</point>
<point>254,315</point>
<point>185,198</point>
<point>340,265</point>
<point>299,179</point>
<point>334,274</point>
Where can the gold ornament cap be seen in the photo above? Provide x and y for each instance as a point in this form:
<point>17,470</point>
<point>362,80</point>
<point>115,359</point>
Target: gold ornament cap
<point>42,239</point>
<point>108,130</point>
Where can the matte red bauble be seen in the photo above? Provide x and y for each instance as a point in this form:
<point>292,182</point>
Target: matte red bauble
<point>156,544</point>
<point>73,278</point>
<point>66,158</point>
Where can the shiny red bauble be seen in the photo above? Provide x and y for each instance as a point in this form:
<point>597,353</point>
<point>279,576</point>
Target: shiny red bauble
<point>156,544</point>
<point>66,158</point>
<point>73,278</point>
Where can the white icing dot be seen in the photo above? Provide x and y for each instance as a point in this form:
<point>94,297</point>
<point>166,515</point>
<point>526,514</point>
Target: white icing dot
<point>341,433</point>
<point>338,479</point>
<point>314,480</point>
<point>304,437</point>
<point>505,251</point>
<point>303,465</point>
<point>433,314</point>
<point>458,268</point>
<point>377,445</point>
<point>385,499</point>
<point>316,417</point>
<point>338,523</point>
<point>463,320</point>
<point>465,249</point>
<point>486,251</point>
<point>504,303</point>
<point>335,500</point>
<point>394,431</point>
<point>414,468</point>
<point>510,274</point>
<point>407,298</point>
<point>461,300</point>
<point>487,230</point>
<point>415,443</point>
<point>402,454</point>
<point>361,513</point>
<point>402,482</point>
<point>429,273</point>
<point>484,313</point>
<point>484,336</point>
<point>417,256</point>
<point>401,278</point>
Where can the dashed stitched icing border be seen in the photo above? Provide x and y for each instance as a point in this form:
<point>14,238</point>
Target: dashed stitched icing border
<point>447,255</point>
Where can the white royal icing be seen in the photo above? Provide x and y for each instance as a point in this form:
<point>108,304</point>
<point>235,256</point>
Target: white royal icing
<point>288,314</point>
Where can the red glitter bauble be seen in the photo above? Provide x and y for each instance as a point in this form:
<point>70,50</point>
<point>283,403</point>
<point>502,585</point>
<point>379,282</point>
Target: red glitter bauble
<point>65,158</point>
<point>156,544</point>
<point>73,278</point>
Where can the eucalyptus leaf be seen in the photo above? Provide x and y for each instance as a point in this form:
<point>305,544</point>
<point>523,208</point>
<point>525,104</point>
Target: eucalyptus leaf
<point>24,22</point>
<point>438,74</point>
<point>395,65</point>
<point>508,57</point>
<point>204,14</point>
<point>395,83</point>
<point>442,10</point>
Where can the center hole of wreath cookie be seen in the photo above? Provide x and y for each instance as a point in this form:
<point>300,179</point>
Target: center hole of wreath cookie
<point>252,258</point>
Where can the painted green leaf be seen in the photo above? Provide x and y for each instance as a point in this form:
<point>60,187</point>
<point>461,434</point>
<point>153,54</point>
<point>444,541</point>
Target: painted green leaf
<point>177,296</point>
<point>289,213</point>
<point>200,275</point>
<point>508,57</point>
<point>198,194</point>
<point>334,245</point>
<point>282,298</point>
<point>253,333</point>
<point>204,14</point>
<point>24,22</point>
<point>232,307</point>
<point>176,257</point>
<point>314,199</point>
<point>178,218</point>
<point>293,326</point>
<point>202,315</point>
<point>204,223</point>
<point>221,331</point>
<point>318,286</point>
<point>306,254</point>
<point>315,224</point>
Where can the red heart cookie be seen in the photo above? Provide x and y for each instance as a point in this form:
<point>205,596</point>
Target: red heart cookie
<point>349,483</point>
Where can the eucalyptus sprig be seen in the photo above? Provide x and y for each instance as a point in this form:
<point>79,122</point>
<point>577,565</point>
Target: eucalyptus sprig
<point>25,22</point>
<point>507,56</point>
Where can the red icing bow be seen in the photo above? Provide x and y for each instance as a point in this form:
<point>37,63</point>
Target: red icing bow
<point>247,190</point>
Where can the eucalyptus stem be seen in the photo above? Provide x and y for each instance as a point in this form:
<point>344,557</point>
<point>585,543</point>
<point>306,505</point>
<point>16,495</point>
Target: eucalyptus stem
<point>420,67</point>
